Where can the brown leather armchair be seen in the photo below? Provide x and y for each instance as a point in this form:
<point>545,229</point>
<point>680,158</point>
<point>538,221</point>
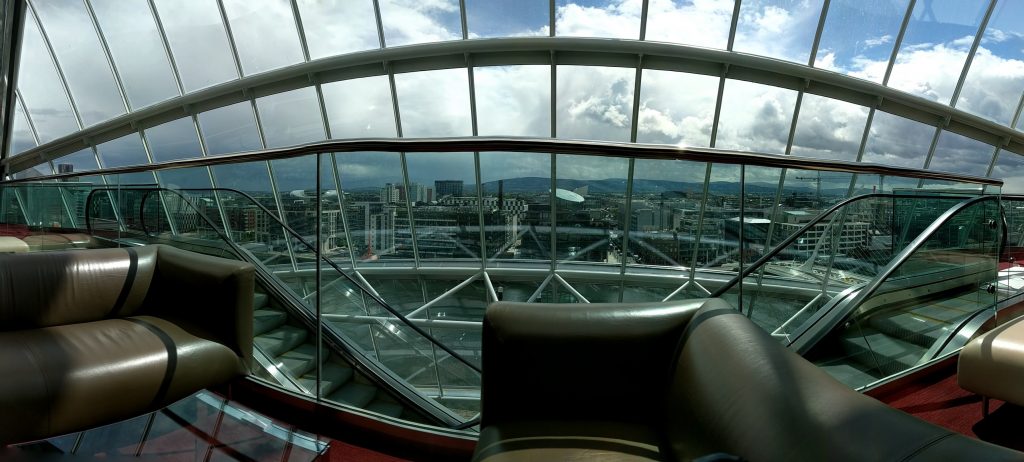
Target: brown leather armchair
<point>678,381</point>
<point>89,337</point>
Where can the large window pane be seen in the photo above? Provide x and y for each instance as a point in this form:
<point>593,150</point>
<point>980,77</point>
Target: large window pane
<point>666,202</point>
<point>755,117</point>
<point>80,161</point>
<point>778,28</point>
<point>691,22</point>
<point>264,34</point>
<point>859,35</point>
<point>517,205</point>
<point>370,193</point>
<point>360,108</point>
<point>338,26</point>
<point>501,18</point>
<point>959,154</point>
<point>670,114</point>
<point>1010,168</point>
<point>291,117</point>
<point>589,199</point>
<point>137,50</point>
<point>412,21</point>
<point>176,139</point>
<point>230,129</point>
<point>595,103</point>
<point>123,151</point>
<point>601,18</point>
<point>434,103</point>
<point>21,134</point>
<point>451,227</point>
<point>829,128</point>
<point>198,42</point>
<point>185,178</point>
<point>41,88</point>
<point>513,100</point>
<point>997,71</point>
<point>78,49</point>
<point>894,140</point>
<point>935,46</point>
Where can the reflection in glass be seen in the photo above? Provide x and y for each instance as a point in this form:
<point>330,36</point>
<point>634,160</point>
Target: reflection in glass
<point>717,245</point>
<point>137,49</point>
<point>449,225</point>
<point>829,128</point>
<point>264,34</point>
<point>359,108</point>
<point>230,129</point>
<point>707,24</point>
<point>665,212</point>
<point>434,103</point>
<point>253,179</point>
<point>370,183</point>
<point>589,205</point>
<point>290,118</point>
<point>997,70</point>
<point>859,35</point>
<point>46,104</point>
<point>123,151</point>
<point>498,18</point>
<point>601,18</point>
<point>82,59</point>
<point>337,27</point>
<point>198,41</point>
<point>668,115</point>
<point>296,183</point>
<point>513,100</point>
<point>894,140</point>
<point>959,154</point>
<point>517,205</point>
<point>778,28</point>
<point>595,103</point>
<point>935,47</point>
<point>185,178</point>
<point>176,139</point>
<point>437,20</point>
<point>755,117</point>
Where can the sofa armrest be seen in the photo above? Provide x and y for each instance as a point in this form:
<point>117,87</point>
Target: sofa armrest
<point>569,361</point>
<point>211,297</point>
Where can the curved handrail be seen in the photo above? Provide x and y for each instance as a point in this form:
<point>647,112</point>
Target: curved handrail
<point>295,235</point>
<point>867,291</point>
<point>756,265</point>
<point>240,252</point>
<point>540,145</point>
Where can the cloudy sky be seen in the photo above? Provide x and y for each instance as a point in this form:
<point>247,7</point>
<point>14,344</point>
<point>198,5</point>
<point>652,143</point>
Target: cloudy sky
<point>592,103</point>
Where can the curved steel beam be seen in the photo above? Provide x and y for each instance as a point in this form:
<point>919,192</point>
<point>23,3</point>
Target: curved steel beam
<point>537,51</point>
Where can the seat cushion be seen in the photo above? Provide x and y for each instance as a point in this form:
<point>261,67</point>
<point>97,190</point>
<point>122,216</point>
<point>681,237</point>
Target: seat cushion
<point>567,440</point>
<point>66,378</point>
<point>993,364</point>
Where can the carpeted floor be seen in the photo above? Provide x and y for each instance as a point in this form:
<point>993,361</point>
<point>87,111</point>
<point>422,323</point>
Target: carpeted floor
<point>944,403</point>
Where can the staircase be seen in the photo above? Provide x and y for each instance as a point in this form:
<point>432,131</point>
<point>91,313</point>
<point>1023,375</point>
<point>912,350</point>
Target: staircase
<point>292,349</point>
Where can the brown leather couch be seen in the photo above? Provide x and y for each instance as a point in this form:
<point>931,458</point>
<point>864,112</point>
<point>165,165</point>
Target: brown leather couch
<point>679,381</point>
<point>88,337</point>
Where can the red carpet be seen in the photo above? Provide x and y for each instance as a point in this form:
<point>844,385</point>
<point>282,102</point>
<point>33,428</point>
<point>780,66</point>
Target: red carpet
<point>944,403</point>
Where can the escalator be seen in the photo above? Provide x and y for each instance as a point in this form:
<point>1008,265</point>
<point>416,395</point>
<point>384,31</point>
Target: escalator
<point>372,357</point>
<point>892,308</point>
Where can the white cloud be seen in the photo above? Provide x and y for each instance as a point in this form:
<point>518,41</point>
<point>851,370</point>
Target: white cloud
<point>883,40</point>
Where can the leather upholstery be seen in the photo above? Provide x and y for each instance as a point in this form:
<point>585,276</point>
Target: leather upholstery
<point>88,337</point>
<point>992,364</point>
<point>707,380</point>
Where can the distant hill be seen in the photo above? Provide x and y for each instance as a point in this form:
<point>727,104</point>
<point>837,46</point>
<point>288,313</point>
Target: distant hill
<point>618,185</point>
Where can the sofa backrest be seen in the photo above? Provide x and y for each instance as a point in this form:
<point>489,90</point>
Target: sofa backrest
<point>737,390</point>
<point>54,288</point>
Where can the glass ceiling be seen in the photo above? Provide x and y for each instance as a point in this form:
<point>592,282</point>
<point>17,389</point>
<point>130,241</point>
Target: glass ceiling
<point>85,63</point>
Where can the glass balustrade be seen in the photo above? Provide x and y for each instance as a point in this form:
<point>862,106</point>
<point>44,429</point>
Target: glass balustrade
<point>389,259</point>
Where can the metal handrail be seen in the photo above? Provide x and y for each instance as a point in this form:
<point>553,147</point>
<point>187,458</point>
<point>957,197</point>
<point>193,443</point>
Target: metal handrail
<point>540,145</point>
<point>868,290</point>
<point>757,264</point>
